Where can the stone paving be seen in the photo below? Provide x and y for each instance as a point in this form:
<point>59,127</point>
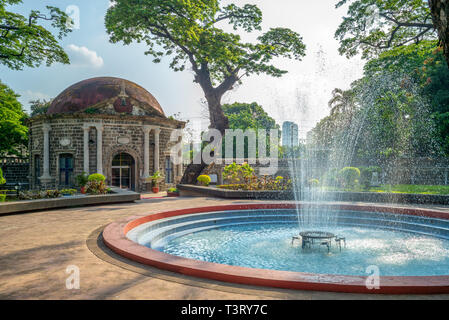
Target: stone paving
<point>36,249</point>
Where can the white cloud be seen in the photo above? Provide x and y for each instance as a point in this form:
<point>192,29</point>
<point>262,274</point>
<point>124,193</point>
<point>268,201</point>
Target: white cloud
<point>82,56</point>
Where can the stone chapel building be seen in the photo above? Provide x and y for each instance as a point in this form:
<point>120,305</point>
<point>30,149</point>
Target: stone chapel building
<point>103,125</point>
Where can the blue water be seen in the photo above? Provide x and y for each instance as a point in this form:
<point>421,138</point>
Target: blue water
<point>269,247</point>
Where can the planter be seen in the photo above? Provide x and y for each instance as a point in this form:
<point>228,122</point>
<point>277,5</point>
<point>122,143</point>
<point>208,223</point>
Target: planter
<point>172,194</point>
<point>83,190</point>
<point>155,189</point>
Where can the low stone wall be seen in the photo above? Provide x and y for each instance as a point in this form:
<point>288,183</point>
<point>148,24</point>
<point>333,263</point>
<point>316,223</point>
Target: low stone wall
<point>197,191</point>
<point>59,203</point>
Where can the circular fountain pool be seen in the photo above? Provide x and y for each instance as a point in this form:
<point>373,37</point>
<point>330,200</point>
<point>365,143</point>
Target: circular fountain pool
<point>253,244</point>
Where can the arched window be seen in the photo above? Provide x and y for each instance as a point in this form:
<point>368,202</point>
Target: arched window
<point>66,170</point>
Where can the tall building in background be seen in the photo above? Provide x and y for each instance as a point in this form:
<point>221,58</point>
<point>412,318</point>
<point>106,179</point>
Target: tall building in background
<point>290,136</point>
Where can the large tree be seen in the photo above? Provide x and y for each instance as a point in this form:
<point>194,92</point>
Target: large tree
<point>25,42</point>
<point>249,116</point>
<point>440,15</point>
<point>373,26</point>
<point>191,32</point>
<point>13,131</point>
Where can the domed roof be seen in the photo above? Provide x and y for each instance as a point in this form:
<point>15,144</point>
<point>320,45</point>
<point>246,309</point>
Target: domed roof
<point>91,92</point>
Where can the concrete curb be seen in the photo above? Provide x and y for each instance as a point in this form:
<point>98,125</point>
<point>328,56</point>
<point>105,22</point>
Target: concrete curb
<point>59,203</point>
<point>198,191</point>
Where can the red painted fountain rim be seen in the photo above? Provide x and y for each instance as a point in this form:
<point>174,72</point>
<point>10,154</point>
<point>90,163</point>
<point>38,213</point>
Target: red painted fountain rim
<point>114,236</point>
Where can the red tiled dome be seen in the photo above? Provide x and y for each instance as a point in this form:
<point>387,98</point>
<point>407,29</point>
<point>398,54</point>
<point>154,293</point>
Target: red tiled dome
<point>91,92</point>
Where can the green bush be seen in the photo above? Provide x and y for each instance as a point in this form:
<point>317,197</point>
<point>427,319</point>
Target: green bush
<point>349,177</point>
<point>173,190</point>
<point>237,174</point>
<point>366,175</point>
<point>96,177</point>
<point>68,191</point>
<point>2,197</point>
<point>82,179</point>
<point>2,180</point>
<point>204,180</point>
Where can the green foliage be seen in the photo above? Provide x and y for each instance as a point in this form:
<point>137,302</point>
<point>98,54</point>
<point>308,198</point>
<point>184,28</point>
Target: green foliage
<point>173,190</point>
<point>97,177</point>
<point>24,42</point>
<point>246,116</point>
<point>37,195</point>
<point>13,131</point>
<point>204,180</point>
<point>2,197</point>
<point>188,31</point>
<point>349,177</point>
<point>366,175</point>
<point>373,26</point>
<point>156,178</point>
<point>237,174</point>
<point>39,107</point>
<point>2,179</point>
<point>96,187</point>
<point>82,179</point>
<point>265,183</point>
<point>401,107</point>
<point>68,192</point>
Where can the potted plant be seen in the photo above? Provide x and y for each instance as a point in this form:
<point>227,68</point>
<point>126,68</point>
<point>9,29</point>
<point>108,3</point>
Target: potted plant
<point>155,179</point>
<point>173,192</point>
<point>82,180</point>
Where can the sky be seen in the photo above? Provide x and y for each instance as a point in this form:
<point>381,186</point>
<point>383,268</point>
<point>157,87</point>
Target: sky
<point>300,96</point>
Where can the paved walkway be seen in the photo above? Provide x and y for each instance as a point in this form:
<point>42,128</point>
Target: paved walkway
<point>36,249</point>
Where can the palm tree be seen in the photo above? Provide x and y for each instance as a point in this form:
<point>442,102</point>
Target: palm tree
<point>342,102</point>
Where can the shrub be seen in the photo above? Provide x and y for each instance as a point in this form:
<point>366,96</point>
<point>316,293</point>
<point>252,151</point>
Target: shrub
<point>349,177</point>
<point>366,175</point>
<point>237,174</point>
<point>82,179</point>
<point>204,180</point>
<point>2,180</point>
<point>68,191</point>
<point>173,190</point>
<point>96,187</point>
<point>51,194</point>
<point>96,177</point>
<point>2,197</point>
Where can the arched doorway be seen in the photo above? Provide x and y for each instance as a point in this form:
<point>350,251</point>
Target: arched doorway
<point>123,171</point>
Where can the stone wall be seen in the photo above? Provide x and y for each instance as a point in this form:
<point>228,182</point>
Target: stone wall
<point>120,135</point>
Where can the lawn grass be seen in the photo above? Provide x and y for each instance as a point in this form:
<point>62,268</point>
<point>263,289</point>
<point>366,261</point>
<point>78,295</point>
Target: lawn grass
<point>398,188</point>
<point>410,188</point>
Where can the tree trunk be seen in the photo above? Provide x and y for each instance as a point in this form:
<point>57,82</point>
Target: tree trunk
<point>218,121</point>
<point>440,16</point>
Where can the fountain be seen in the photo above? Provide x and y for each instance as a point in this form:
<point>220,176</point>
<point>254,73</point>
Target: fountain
<point>252,243</point>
